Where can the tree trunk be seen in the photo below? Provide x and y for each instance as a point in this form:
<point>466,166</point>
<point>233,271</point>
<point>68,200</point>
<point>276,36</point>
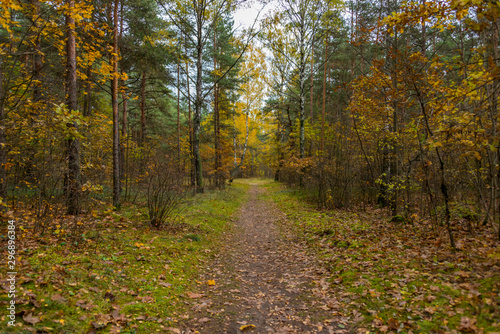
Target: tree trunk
<point>198,101</point>
<point>123,153</point>
<point>87,102</point>
<point>302,79</point>
<point>216,123</point>
<point>114,103</point>
<point>323,108</point>
<point>3,140</point>
<point>496,82</point>
<point>73,145</point>
<point>143,109</point>
<point>444,191</point>
<point>124,95</point>
<point>312,85</point>
<point>235,145</point>
<point>37,62</point>
<point>216,138</point>
<point>190,125</point>
<point>178,113</point>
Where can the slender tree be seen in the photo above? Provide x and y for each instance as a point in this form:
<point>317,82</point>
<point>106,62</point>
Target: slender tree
<point>73,144</point>
<point>114,103</point>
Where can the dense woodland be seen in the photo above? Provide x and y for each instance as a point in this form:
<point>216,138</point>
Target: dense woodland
<point>333,167</point>
<point>359,103</point>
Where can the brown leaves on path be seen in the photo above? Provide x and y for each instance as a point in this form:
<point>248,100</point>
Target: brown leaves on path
<point>266,283</point>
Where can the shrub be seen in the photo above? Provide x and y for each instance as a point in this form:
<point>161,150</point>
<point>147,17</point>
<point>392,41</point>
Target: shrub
<point>165,191</point>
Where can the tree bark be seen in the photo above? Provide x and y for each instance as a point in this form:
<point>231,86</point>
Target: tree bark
<point>114,103</point>
<point>216,122</point>
<point>37,61</point>
<point>87,102</point>
<point>190,125</point>
<point>123,181</point>
<point>323,108</point>
<point>143,109</point>
<point>302,93</point>
<point>199,98</point>
<point>73,145</point>
<point>178,113</point>
<point>3,140</point>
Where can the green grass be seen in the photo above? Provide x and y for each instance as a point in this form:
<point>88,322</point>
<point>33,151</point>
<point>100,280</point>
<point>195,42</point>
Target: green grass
<point>119,273</point>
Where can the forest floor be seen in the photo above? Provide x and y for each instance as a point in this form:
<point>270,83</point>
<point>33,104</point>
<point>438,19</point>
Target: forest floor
<point>254,258</point>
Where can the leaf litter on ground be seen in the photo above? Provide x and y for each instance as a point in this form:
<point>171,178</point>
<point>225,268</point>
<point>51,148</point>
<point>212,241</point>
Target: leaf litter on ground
<point>113,273</point>
<point>390,277</point>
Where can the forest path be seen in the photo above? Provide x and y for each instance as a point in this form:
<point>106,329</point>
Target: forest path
<point>264,281</point>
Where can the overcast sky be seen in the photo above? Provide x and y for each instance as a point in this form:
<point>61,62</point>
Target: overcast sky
<point>245,17</point>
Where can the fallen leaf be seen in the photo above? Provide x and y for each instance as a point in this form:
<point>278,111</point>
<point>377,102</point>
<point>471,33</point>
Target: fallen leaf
<point>32,299</point>
<point>109,295</point>
<point>194,295</point>
<point>467,324</point>
<point>146,299</point>
<point>393,323</point>
<point>211,282</point>
<point>117,317</point>
<point>31,319</point>
<point>58,298</point>
<point>245,327</point>
<point>430,310</point>
<point>98,324</point>
<point>115,329</point>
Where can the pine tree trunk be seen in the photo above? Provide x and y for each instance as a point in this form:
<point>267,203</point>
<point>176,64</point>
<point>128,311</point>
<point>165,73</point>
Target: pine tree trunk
<point>143,109</point>
<point>123,150</point>
<point>73,145</point>
<point>114,103</point>
<point>123,180</point>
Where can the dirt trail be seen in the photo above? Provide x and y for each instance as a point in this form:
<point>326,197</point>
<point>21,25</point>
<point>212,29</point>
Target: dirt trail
<point>263,279</point>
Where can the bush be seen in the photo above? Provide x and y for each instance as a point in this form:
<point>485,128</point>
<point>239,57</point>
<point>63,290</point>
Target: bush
<point>165,191</point>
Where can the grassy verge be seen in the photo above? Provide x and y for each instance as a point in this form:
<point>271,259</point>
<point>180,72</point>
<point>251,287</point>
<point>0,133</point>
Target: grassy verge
<point>116,275</point>
<point>391,277</point>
